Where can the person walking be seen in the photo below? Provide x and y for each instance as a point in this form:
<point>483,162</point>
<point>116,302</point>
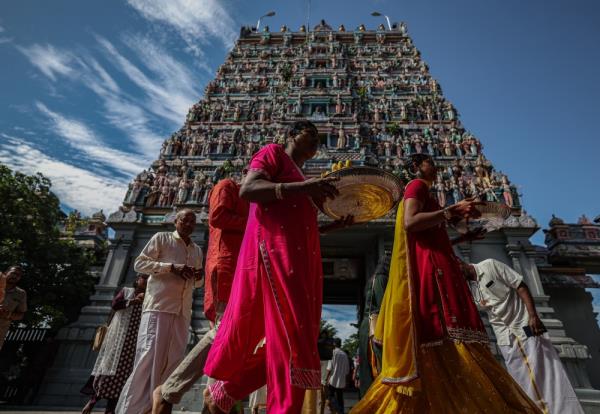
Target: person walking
<point>277,288</point>
<point>436,356</point>
<point>174,263</point>
<point>117,353</point>
<point>227,216</point>
<point>338,369</point>
<point>521,336</point>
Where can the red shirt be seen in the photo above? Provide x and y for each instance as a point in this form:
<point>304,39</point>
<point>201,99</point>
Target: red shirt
<point>227,216</point>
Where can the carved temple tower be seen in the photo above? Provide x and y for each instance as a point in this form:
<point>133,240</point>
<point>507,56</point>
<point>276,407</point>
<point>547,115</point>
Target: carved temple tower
<point>374,103</point>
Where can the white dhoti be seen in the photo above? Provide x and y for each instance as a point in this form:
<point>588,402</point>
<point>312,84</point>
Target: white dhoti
<point>536,367</point>
<point>161,344</point>
<point>258,399</point>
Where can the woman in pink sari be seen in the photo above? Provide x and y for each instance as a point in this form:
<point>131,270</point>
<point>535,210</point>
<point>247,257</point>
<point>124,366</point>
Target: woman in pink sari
<point>277,287</point>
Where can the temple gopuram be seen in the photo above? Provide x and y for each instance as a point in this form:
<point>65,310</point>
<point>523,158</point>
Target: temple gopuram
<point>374,103</point>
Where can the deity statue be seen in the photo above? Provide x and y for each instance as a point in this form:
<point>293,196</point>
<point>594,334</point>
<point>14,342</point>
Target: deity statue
<point>507,191</point>
<point>376,114</point>
<point>152,197</point>
<point>182,191</point>
<point>387,146</point>
<point>440,190</point>
<point>338,104</point>
<point>406,147</point>
<point>418,144</point>
<point>163,201</point>
<point>584,220</point>
<point>447,146</point>
<point>134,191</point>
<point>209,187</point>
<point>298,108</point>
<point>456,191</point>
<point>341,141</point>
<point>403,112</point>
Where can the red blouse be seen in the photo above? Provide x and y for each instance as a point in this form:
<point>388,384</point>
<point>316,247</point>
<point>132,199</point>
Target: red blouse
<point>445,306</point>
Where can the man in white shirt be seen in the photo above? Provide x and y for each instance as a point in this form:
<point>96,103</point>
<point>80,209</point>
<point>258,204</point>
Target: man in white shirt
<point>173,262</point>
<point>528,353</point>
<point>338,368</point>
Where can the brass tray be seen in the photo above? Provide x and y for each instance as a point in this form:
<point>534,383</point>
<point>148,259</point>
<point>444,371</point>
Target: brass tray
<point>366,193</point>
<point>492,218</point>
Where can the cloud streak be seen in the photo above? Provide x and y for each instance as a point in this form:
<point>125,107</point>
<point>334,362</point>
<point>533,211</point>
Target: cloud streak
<point>49,60</point>
<point>196,21</point>
<point>75,187</point>
<point>80,137</point>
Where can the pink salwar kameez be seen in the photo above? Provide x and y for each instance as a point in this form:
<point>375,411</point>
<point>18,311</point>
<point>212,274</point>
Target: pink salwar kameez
<point>277,295</point>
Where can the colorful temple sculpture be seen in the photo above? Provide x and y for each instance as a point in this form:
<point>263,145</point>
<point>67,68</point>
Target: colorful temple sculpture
<point>374,103</point>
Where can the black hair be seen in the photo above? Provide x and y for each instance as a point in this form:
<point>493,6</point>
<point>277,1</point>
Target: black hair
<point>137,276</point>
<point>415,161</point>
<point>297,127</point>
<point>337,342</point>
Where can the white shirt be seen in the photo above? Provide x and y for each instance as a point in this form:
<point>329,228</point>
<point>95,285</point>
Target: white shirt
<point>339,367</point>
<point>165,291</point>
<point>498,283</point>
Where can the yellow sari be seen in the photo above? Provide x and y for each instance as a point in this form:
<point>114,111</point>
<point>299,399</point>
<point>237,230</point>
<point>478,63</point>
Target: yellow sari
<point>453,377</point>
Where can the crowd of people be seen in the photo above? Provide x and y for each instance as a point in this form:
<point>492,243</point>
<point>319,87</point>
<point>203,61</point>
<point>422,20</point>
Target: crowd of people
<point>427,350</point>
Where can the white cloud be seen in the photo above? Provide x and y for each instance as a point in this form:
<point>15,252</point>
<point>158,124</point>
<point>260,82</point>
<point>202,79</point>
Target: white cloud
<point>50,61</point>
<point>196,21</point>
<point>79,136</point>
<point>75,187</point>
<point>168,97</point>
<point>341,317</point>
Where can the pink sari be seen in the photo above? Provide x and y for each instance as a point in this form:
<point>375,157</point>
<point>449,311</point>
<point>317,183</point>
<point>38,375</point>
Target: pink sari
<point>276,294</point>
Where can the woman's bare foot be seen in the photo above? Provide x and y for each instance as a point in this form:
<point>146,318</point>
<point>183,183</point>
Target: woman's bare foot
<point>88,407</point>
<point>159,405</point>
<point>209,405</point>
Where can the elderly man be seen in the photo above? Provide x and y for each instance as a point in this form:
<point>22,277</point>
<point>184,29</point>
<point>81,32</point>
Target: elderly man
<point>227,218</point>
<point>529,355</point>
<point>173,262</point>
<point>14,305</point>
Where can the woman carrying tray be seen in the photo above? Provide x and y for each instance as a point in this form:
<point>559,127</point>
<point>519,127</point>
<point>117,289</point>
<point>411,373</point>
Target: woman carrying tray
<point>278,283</point>
<point>436,357</point>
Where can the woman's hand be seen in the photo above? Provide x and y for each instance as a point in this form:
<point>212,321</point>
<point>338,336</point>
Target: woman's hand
<point>320,188</point>
<point>466,208</point>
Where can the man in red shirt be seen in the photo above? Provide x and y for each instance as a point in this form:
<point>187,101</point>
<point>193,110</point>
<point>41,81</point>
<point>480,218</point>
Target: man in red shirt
<point>227,218</point>
<point>227,215</point>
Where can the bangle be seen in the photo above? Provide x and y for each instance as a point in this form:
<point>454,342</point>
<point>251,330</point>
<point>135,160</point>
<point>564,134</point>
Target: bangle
<point>447,214</point>
<point>278,192</point>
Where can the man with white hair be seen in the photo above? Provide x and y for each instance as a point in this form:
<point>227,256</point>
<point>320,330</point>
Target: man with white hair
<point>173,262</point>
<point>528,353</point>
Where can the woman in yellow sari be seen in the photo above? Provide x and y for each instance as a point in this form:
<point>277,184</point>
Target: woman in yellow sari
<point>436,357</point>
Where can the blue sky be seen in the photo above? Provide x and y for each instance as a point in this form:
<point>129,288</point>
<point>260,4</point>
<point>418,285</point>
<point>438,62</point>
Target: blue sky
<point>90,89</point>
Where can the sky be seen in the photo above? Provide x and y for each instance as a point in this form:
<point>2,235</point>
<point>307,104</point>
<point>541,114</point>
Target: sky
<point>90,89</point>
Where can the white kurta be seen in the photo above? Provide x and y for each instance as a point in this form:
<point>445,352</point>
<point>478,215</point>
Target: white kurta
<point>164,326</point>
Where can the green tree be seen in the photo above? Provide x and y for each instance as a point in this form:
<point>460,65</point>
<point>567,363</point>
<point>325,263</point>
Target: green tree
<point>350,345</point>
<point>56,271</point>
<point>327,330</point>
